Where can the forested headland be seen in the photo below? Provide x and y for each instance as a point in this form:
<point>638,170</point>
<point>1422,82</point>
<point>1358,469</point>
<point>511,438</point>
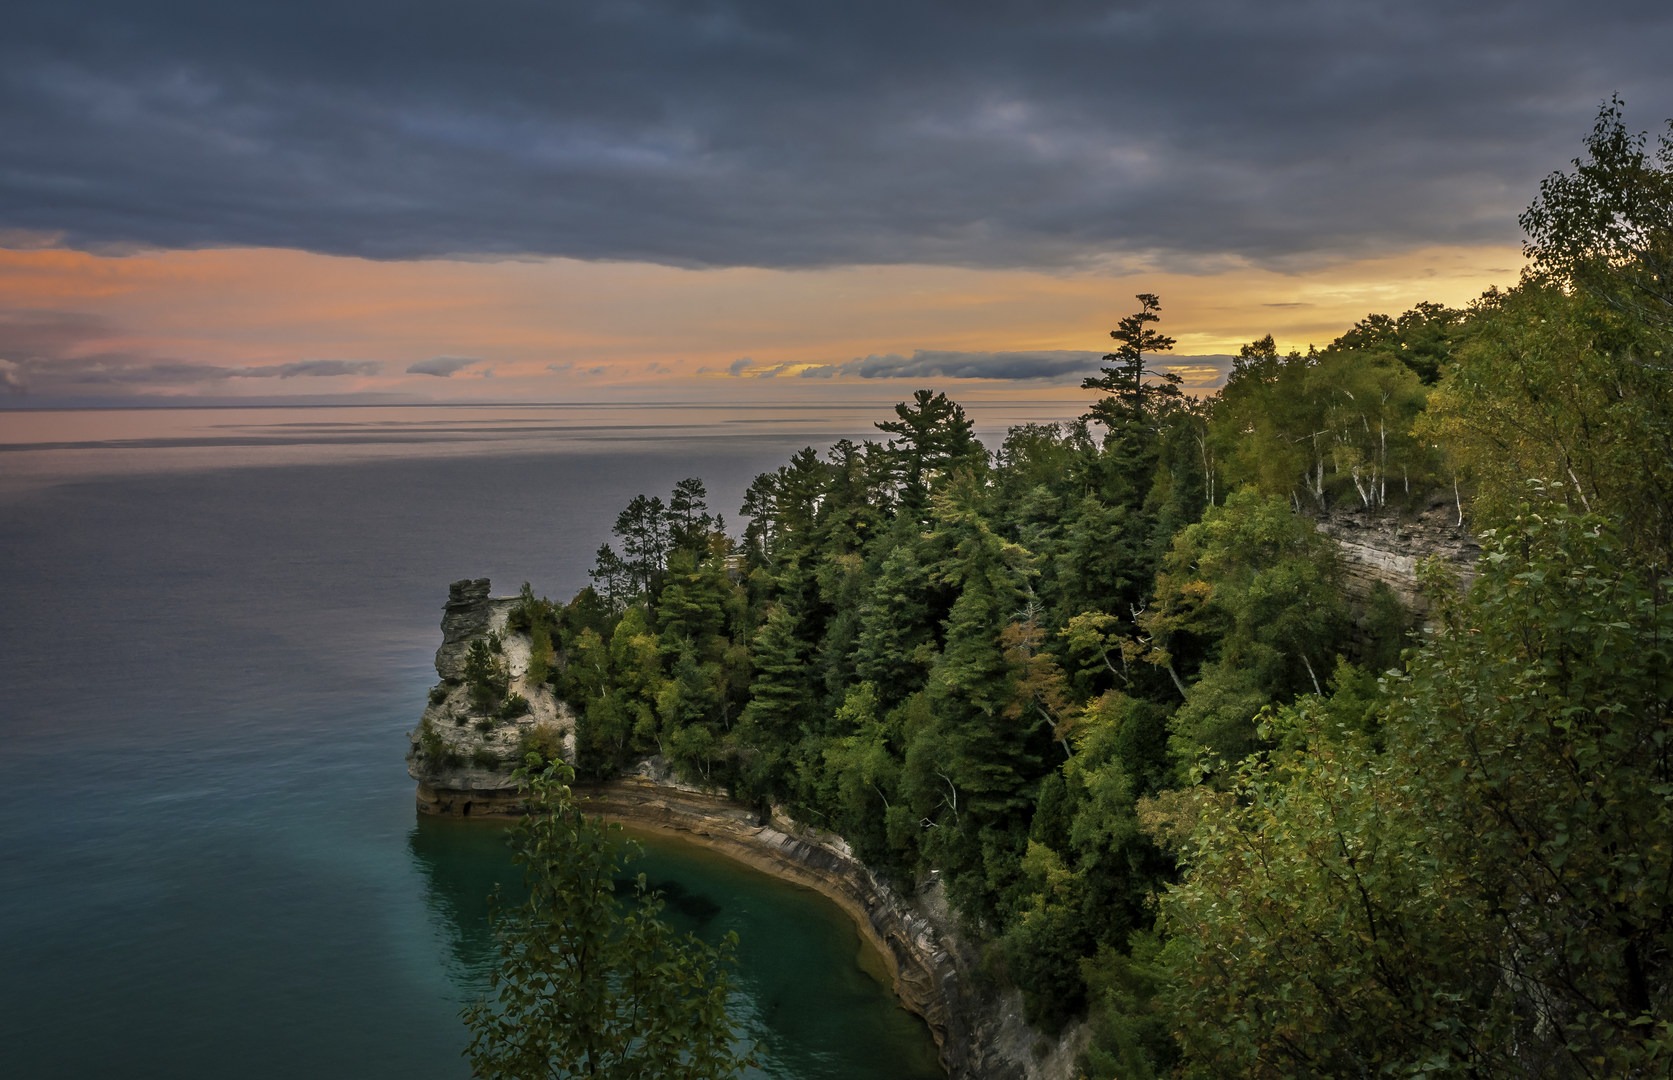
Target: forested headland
<point>1103,679</point>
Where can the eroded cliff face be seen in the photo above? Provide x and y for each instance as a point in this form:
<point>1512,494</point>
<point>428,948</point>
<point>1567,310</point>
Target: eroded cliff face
<point>1387,548</point>
<point>462,753</point>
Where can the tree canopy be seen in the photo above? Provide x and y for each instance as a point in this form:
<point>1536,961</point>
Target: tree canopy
<point>1110,685</point>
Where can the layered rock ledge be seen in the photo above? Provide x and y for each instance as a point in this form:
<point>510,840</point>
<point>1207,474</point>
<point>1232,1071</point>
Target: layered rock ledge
<point>925,972</point>
<point>461,753</point>
<point>1387,549</point>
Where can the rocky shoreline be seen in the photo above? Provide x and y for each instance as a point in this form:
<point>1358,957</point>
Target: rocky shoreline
<point>979,1034</point>
<point>923,969</point>
<point>463,766</point>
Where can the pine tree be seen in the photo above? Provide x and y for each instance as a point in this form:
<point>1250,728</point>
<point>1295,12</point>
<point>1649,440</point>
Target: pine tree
<point>1130,400</point>
<point>780,709</point>
<point>932,437</point>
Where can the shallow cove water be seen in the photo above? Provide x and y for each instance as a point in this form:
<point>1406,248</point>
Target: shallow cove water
<point>216,627</point>
<point>806,992</point>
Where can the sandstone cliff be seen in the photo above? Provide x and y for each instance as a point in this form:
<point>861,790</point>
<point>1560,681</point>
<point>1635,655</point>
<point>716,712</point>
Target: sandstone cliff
<point>462,752</point>
<point>1386,548</point>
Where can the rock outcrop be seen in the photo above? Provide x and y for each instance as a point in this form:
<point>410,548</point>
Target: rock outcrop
<point>462,753</point>
<point>463,757</point>
<point>469,614</point>
<point>1386,548</point>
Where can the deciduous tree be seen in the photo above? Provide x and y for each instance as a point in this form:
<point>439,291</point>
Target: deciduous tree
<point>586,987</point>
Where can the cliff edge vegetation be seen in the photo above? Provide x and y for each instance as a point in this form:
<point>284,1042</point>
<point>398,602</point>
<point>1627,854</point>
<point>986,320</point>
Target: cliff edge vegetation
<point>1195,785</point>
<point>492,704</point>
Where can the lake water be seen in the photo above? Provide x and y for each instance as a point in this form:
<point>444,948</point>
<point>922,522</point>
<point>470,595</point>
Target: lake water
<point>216,627</point>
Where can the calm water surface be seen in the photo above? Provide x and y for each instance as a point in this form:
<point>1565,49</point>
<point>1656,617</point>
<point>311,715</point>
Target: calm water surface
<point>216,627</point>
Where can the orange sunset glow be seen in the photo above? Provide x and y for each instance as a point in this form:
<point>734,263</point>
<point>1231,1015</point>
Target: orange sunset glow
<point>748,202</point>
<point>562,329</point>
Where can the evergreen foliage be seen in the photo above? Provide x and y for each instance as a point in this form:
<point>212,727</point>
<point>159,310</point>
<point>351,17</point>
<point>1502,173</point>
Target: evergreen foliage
<point>1107,689</point>
<point>485,673</point>
<point>1488,894</point>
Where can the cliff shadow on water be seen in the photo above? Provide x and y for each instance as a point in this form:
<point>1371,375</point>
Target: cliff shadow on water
<point>462,864</point>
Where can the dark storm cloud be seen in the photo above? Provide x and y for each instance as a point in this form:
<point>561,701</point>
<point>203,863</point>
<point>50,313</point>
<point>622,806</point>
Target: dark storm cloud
<point>787,134</point>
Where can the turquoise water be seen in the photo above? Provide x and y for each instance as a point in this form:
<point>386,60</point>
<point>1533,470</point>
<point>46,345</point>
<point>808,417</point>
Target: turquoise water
<point>208,664</point>
<point>834,1023</point>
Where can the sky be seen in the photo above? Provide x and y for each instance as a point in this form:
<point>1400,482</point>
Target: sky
<point>539,200</point>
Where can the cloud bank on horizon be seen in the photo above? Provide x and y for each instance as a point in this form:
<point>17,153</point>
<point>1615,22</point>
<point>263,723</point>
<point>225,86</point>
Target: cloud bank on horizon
<point>447,366</point>
<point>1196,136</point>
<point>1048,366</point>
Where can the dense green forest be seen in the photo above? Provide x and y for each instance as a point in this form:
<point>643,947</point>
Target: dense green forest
<point>1105,680</point>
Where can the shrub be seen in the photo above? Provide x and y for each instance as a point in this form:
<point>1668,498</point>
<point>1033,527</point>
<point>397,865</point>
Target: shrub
<point>433,748</point>
<point>541,654</point>
<point>543,739</point>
